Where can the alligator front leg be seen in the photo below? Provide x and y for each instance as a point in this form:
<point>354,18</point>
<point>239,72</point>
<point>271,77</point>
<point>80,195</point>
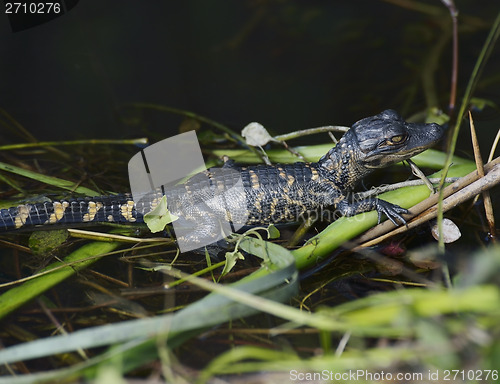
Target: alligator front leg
<point>392,211</point>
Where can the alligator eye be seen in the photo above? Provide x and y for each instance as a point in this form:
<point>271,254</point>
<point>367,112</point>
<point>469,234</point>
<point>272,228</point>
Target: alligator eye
<point>397,139</point>
<point>394,140</point>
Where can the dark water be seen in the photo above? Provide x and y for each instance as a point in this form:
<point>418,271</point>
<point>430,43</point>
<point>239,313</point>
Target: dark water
<point>287,64</point>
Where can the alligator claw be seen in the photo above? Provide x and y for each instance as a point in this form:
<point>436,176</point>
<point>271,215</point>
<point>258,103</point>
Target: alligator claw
<point>392,211</point>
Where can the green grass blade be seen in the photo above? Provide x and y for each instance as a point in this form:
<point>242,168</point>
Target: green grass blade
<point>469,91</point>
<point>430,158</point>
<point>53,275</point>
<point>346,228</point>
<point>212,310</point>
<point>54,181</point>
<point>38,144</point>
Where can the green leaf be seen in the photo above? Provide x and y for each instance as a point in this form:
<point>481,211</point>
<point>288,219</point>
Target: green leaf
<point>231,260</point>
<point>482,103</point>
<point>272,232</point>
<point>274,255</point>
<point>159,217</point>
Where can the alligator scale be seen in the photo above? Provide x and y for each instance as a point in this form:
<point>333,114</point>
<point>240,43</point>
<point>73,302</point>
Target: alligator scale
<point>269,193</point>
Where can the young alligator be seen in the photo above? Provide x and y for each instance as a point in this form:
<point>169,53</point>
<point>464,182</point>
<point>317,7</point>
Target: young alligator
<point>269,193</point>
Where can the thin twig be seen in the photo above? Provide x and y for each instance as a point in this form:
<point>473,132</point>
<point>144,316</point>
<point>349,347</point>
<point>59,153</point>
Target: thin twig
<point>381,231</point>
<point>488,207</point>
<point>489,181</point>
<point>494,146</point>
<point>417,172</point>
<point>483,57</point>
<point>292,150</point>
<point>311,131</point>
<point>408,183</point>
<point>91,235</point>
<point>454,66</point>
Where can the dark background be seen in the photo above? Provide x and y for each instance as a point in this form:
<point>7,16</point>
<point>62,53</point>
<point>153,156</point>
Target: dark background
<point>287,64</point>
